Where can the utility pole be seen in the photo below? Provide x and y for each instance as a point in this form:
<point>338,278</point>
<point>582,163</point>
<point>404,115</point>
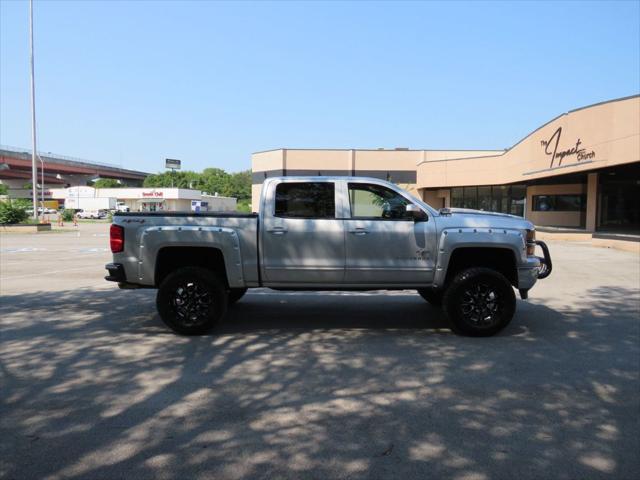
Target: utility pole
<point>34,169</point>
<point>42,184</point>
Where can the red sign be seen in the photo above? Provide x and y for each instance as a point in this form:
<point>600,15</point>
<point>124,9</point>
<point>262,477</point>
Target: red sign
<point>152,194</point>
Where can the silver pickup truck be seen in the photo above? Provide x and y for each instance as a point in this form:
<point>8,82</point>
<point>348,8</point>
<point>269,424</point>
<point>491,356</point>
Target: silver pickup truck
<point>329,233</point>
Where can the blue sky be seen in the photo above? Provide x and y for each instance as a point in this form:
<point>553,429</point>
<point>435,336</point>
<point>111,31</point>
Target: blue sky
<point>211,82</point>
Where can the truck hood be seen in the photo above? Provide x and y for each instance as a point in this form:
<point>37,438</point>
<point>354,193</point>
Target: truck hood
<point>466,217</point>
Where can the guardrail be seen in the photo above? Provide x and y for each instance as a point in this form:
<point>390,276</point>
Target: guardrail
<point>45,155</point>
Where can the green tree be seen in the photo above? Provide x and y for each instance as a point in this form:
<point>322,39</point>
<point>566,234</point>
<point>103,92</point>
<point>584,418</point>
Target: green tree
<point>4,190</point>
<point>215,180</point>
<point>107,183</point>
<point>239,185</point>
<point>211,181</point>
<point>182,179</point>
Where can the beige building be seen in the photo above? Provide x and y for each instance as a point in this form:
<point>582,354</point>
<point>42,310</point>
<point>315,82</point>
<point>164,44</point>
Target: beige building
<point>580,170</point>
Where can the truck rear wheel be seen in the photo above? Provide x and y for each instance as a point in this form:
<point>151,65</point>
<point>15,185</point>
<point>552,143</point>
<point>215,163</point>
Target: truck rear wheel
<point>236,294</point>
<point>432,295</point>
<point>191,300</point>
<point>479,302</point>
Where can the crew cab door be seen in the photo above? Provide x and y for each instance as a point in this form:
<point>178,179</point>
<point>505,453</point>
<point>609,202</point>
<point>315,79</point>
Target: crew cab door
<point>302,238</point>
<point>384,244</point>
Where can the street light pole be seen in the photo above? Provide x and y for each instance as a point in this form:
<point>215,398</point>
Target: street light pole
<point>34,169</point>
<point>42,185</point>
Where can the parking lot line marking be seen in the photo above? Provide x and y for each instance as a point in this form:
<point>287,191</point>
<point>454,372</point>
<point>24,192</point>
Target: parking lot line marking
<point>4,263</point>
<point>53,272</point>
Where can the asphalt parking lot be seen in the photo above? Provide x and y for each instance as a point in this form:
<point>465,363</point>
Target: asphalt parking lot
<point>309,385</point>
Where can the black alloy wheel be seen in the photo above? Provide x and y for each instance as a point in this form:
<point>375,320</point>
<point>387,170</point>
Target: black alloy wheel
<point>479,302</point>
<point>191,303</point>
<point>191,300</point>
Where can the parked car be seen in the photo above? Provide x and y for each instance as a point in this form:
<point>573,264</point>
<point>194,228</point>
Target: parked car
<point>97,214</point>
<point>330,233</point>
<point>41,210</point>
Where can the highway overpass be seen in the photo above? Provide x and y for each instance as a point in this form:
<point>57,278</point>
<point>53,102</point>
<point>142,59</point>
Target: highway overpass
<point>59,170</point>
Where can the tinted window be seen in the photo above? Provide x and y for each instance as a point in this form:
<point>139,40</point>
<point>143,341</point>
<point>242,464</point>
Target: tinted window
<point>559,203</point>
<point>374,201</point>
<point>457,197</point>
<point>470,197</point>
<point>518,194</point>
<point>484,198</point>
<point>499,198</point>
<point>305,200</point>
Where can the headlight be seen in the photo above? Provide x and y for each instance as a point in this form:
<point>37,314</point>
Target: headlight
<point>531,242</point>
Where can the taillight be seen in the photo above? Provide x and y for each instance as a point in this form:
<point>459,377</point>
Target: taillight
<point>531,242</point>
<point>116,238</point>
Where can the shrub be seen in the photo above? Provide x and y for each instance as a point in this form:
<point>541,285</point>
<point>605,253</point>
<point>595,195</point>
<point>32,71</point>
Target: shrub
<point>243,205</point>
<point>67,214</point>
<point>12,212</point>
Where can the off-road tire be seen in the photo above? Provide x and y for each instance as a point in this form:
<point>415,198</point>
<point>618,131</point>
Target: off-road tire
<point>479,302</point>
<point>235,294</point>
<point>432,295</point>
<point>191,300</point>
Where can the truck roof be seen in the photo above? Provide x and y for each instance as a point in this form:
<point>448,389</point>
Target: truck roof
<point>317,178</point>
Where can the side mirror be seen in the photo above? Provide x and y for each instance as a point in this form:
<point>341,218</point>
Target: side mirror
<point>416,213</point>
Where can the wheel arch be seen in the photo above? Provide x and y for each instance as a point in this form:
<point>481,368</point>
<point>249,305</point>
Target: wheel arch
<point>170,258</point>
<point>499,258</point>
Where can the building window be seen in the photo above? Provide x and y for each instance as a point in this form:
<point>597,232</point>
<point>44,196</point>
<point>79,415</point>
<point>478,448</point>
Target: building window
<point>305,200</point>
<point>559,203</point>
<point>457,197</point>
<point>500,199</point>
<point>497,198</point>
<point>377,202</point>
<point>484,198</point>
<point>518,196</point>
<point>470,197</point>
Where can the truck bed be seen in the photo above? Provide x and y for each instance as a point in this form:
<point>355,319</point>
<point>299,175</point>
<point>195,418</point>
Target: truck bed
<point>143,242</point>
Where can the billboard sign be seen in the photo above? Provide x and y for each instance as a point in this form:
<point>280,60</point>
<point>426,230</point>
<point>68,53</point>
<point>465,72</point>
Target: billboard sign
<point>172,163</point>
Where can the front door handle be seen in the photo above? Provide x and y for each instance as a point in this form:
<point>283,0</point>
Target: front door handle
<point>277,231</point>
<point>359,231</point>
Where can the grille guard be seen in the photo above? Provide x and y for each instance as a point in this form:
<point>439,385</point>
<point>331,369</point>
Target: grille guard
<point>546,266</point>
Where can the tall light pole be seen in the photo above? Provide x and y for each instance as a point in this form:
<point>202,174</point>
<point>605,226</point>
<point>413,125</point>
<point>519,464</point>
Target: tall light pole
<point>42,184</point>
<point>34,169</point>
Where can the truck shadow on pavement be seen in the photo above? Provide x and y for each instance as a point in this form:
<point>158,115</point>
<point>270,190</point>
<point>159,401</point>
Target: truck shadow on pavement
<point>309,385</point>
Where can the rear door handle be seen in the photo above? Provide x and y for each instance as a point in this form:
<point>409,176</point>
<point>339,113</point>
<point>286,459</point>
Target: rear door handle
<point>359,231</point>
<point>277,231</point>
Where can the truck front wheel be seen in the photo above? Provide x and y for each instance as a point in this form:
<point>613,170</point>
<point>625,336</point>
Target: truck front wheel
<point>191,300</point>
<point>479,302</point>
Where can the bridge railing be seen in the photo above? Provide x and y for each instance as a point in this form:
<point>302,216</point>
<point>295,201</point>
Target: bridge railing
<point>55,156</point>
